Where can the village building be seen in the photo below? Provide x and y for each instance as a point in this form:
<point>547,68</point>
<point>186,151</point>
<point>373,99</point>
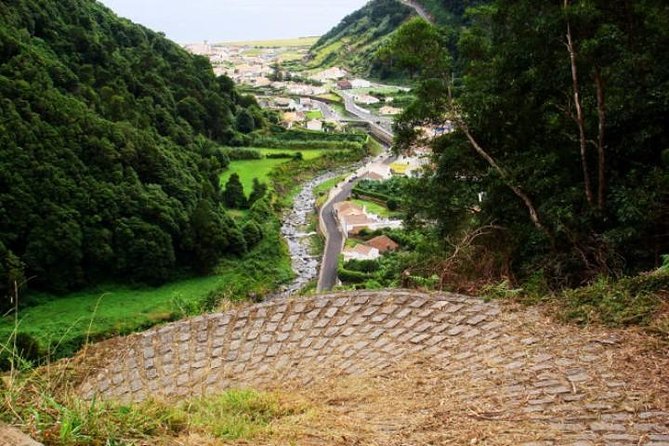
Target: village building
<point>388,110</point>
<point>347,208</point>
<point>365,99</point>
<point>344,85</point>
<point>361,252</point>
<point>383,243</point>
<point>315,124</point>
<point>372,176</point>
<point>290,118</point>
<point>330,74</point>
<point>354,218</point>
<point>361,83</point>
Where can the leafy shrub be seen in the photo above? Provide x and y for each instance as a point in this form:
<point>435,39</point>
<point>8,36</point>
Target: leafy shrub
<point>363,266</point>
<point>252,233</point>
<point>628,301</point>
<point>237,154</point>
<point>348,276</point>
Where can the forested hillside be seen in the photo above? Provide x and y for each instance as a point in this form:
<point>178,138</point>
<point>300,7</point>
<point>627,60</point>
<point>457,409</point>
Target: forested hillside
<point>108,166</point>
<point>354,41</point>
<point>557,171</point>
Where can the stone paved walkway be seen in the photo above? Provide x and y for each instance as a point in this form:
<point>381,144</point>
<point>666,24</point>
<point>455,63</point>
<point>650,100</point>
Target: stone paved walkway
<point>562,384</point>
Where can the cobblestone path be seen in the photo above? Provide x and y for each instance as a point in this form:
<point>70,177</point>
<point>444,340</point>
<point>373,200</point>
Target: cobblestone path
<point>556,384</point>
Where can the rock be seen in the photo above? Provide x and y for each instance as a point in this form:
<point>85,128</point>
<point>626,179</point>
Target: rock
<point>12,437</point>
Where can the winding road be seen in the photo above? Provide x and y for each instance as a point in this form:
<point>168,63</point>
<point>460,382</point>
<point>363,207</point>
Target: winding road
<point>335,239</point>
<point>381,129</point>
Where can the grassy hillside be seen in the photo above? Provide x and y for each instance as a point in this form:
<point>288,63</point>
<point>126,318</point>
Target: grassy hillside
<point>353,42</point>
<point>109,167</point>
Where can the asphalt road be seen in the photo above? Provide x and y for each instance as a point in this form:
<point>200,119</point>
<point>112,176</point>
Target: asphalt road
<point>335,240</point>
<point>381,128</point>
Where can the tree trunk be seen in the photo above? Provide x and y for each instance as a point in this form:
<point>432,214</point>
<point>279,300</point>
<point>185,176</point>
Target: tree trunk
<point>534,215</point>
<point>580,119</point>
<point>601,150</point>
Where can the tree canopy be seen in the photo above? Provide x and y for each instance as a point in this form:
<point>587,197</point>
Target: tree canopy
<point>560,112</point>
<point>109,166</point>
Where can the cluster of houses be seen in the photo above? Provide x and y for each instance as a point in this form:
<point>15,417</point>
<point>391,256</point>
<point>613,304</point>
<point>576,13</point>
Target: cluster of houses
<point>254,67</point>
<point>299,112</point>
<point>353,219</point>
<point>371,249</point>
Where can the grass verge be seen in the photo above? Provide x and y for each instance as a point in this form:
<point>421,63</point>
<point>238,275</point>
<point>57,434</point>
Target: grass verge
<point>53,415</point>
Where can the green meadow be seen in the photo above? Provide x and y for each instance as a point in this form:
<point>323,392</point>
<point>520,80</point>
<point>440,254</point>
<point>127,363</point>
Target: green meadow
<point>260,169</point>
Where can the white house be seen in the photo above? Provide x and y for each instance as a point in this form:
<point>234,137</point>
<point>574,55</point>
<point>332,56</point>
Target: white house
<point>388,110</point>
<point>360,83</point>
<point>333,73</point>
<point>365,99</point>
<point>361,252</point>
<point>315,124</point>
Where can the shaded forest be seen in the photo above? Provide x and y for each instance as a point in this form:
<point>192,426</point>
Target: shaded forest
<point>109,162</point>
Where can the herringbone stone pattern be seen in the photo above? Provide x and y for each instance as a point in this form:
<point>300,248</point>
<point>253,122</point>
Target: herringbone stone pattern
<point>564,382</point>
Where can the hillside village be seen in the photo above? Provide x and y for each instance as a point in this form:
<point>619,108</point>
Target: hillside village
<point>301,97</point>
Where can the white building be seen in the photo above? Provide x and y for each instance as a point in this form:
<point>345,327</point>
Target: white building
<point>360,83</point>
<point>331,74</point>
<point>365,99</point>
<point>361,252</point>
<point>315,124</point>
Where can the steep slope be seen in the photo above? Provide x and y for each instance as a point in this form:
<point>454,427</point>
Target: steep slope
<point>354,41</point>
<point>107,167</point>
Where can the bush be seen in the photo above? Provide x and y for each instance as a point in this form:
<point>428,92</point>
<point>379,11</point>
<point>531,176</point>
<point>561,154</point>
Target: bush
<point>279,155</point>
<point>628,301</point>
<point>242,154</point>
<point>252,233</point>
<point>392,204</point>
<point>363,266</point>
<point>348,276</point>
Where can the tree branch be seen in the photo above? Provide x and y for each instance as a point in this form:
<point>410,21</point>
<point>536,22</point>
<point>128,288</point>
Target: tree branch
<point>601,149</point>
<point>580,119</point>
<point>534,214</point>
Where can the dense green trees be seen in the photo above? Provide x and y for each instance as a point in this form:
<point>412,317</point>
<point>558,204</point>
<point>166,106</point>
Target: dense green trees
<point>560,111</point>
<point>233,195</point>
<point>108,162</point>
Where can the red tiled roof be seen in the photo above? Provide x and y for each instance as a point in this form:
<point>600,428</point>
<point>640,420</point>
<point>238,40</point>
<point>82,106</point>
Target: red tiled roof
<point>383,243</point>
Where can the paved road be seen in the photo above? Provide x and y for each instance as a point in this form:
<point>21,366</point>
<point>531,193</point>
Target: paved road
<point>335,240</point>
<point>380,127</point>
<point>328,111</point>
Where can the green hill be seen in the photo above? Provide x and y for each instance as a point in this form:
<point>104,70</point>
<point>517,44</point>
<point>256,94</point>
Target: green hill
<point>109,167</point>
<point>354,41</point>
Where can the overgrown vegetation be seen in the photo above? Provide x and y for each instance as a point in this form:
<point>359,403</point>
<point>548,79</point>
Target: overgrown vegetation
<point>354,41</point>
<point>44,406</point>
<point>558,174</point>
